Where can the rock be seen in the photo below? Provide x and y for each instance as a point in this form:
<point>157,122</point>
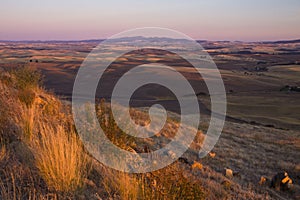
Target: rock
<point>212,154</point>
<point>171,154</point>
<point>228,173</point>
<point>281,181</point>
<point>154,162</point>
<point>262,180</point>
<point>197,165</point>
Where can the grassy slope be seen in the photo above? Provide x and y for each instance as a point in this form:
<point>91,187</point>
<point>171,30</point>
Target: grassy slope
<point>42,158</point>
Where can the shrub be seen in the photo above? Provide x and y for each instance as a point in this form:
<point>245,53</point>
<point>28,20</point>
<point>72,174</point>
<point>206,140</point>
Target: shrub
<point>170,183</point>
<point>26,77</point>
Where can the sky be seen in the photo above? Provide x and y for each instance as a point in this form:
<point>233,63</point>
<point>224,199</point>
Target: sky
<point>243,20</point>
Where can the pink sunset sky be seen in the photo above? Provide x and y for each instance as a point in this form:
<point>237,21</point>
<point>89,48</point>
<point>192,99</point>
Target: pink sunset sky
<point>254,20</point>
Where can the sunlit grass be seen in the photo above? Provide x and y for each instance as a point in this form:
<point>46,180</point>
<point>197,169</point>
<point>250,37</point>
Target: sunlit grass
<point>60,157</point>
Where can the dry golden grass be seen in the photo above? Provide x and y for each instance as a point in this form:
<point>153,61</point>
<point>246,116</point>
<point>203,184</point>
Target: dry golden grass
<point>27,122</point>
<point>124,185</point>
<point>172,182</point>
<point>58,168</point>
<point>9,189</point>
<point>3,152</point>
<point>17,98</point>
<point>9,109</point>
<point>60,157</point>
<point>44,127</point>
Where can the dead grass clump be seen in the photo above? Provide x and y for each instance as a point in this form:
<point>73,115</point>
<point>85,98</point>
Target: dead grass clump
<point>27,122</point>
<point>119,184</point>
<point>9,188</point>
<point>60,157</point>
<point>17,98</point>
<point>171,182</point>
<point>18,183</point>
<point>44,126</point>
<point>3,152</point>
<point>10,110</point>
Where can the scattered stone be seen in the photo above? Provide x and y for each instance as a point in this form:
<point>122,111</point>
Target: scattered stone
<point>228,173</point>
<point>262,180</point>
<point>171,154</point>
<point>212,154</point>
<point>197,165</point>
<point>154,162</point>
<point>281,181</point>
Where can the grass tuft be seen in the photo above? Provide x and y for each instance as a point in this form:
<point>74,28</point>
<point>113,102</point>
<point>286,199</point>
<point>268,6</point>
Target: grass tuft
<point>60,158</point>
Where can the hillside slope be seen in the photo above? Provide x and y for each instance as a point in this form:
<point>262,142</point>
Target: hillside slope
<point>41,156</point>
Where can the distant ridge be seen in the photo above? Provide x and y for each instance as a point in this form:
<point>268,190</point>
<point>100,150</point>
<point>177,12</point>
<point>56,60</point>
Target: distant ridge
<point>101,40</point>
<point>282,42</point>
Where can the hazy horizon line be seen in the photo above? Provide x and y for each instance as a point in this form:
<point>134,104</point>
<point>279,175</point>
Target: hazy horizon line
<point>102,39</point>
